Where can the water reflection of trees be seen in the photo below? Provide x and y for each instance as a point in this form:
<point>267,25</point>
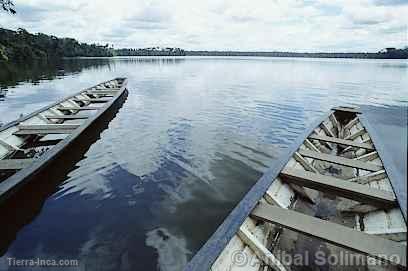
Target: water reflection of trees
<point>11,74</point>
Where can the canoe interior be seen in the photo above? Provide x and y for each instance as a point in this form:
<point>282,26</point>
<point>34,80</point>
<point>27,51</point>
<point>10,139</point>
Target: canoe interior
<point>26,141</point>
<point>337,179</point>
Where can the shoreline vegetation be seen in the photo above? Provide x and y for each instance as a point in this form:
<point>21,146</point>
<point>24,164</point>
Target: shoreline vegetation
<point>22,46</point>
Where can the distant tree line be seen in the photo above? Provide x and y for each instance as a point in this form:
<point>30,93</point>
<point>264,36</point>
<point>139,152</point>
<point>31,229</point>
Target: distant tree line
<point>156,51</point>
<point>388,53</point>
<point>21,45</point>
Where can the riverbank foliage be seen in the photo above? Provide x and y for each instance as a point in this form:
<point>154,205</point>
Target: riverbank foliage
<point>20,45</point>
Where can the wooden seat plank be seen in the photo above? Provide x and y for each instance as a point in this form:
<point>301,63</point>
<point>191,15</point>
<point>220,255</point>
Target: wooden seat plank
<point>340,160</point>
<point>101,92</point>
<point>106,89</point>
<point>347,109</point>
<point>95,100</point>
<point>44,131</point>
<point>78,108</point>
<point>8,146</point>
<point>48,126</point>
<point>341,141</point>
<point>14,164</point>
<point>342,188</point>
<point>43,143</point>
<point>336,234</point>
<point>67,117</point>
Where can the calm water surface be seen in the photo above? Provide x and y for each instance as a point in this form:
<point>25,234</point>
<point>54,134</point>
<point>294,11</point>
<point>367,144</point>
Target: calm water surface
<point>193,136</point>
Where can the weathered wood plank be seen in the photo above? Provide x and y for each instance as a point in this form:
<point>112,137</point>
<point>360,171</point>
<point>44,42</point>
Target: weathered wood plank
<point>68,117</point>
<point>101,92</point>
<point>367,157</point>
<point>44,131</point>
<point>341,141</point>
<point>340,160</point>
<point>347,109</point>
<point>65,108</point>
<point>8,146</point>
<point>374,176</point>
<point>41,117</point>
<point>356,134</point>
<point>351,123</point>
<point>335,122</point>
<point>43,143</point>
<point>310,145</point>
<point>104,89</point>
<point>305,164</point>
<point>327,130</point>
<point>48,126</point>
<point>14,164</point>
<point>95,100</point>
<point>330,232</point>
<point>342,188</point>
<point>259,249</point>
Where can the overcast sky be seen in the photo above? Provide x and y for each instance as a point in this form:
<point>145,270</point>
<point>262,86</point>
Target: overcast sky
<point>294,25</point>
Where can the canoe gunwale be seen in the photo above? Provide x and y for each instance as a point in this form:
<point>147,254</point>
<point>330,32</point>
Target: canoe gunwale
<point>210,251</point>
<point>14,182</point>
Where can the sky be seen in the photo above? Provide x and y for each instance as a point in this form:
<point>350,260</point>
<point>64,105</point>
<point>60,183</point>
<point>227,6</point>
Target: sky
<point>257,25</point>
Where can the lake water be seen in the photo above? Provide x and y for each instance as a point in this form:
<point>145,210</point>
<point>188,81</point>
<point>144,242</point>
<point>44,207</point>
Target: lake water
<point>193,136</point>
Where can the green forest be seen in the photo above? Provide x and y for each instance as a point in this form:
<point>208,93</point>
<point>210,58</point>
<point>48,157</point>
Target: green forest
<point>21,45</point>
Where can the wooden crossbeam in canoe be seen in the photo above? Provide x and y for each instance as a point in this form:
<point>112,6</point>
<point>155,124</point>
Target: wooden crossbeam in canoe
<point>46,129</point>
<point>351,123</point>
<point>341,141</point>
<point>42,132</point>
<point>67,117</point>
<point>347,109</point>
<point>339,187</point>
<point>336,234</point>
<point>367,157</point>
<point>305,164</point>
<point>374,176</point>
<point>259,249</point>
<point>310,145</point>
<point>101,92</point>
<point>65,108</point>
<point>340,160</point>
<point>356,134</point>
<point>95,100</point>
<point>104,89</point>
<point>8,146</point>
<point>327,129</point>
<point>44,143</point>
<point>14,164</point>
<point>48,126</point>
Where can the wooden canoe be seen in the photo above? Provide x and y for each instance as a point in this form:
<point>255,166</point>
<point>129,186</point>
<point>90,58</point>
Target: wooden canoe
<point>331,194</point>
<point>30,143</point>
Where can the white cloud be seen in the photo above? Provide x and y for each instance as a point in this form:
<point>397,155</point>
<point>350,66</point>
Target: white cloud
<point>310,25</point>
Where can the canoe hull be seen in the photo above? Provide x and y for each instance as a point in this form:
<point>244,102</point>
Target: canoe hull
<point>12,184</point>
